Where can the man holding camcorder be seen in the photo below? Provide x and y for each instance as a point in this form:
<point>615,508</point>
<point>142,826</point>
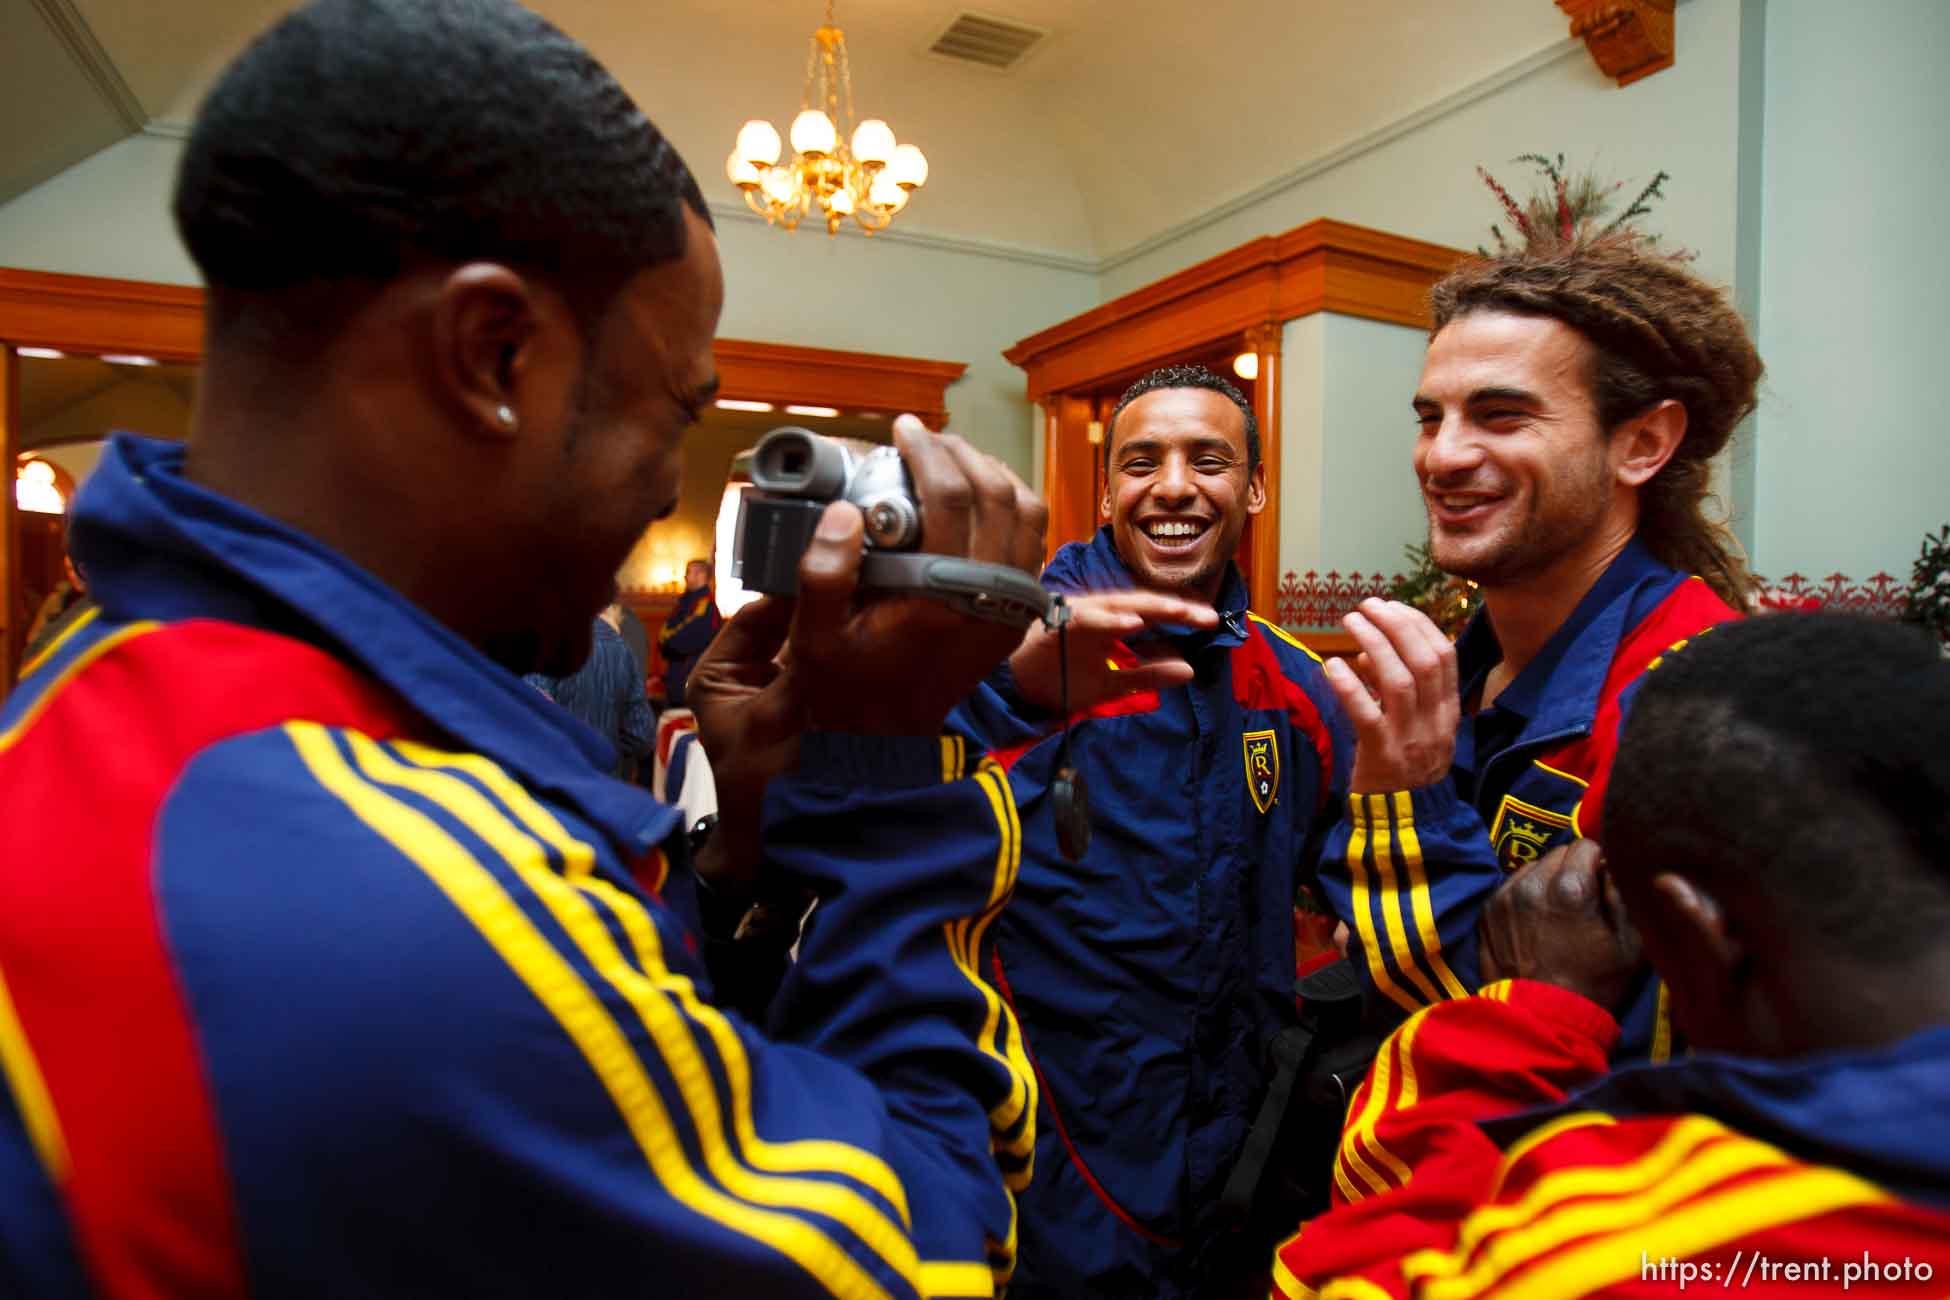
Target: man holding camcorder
<point>367,980</point>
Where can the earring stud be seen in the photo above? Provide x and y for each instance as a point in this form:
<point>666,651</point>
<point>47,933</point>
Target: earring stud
<point>506,415</point>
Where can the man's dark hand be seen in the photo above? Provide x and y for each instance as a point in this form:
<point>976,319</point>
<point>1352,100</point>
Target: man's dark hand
<point>1560,920</point>
<point>842,661</point>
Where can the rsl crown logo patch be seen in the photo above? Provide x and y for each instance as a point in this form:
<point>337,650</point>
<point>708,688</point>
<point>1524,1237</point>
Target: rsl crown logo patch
<point>1262,767</point>
<point>1522,831</point>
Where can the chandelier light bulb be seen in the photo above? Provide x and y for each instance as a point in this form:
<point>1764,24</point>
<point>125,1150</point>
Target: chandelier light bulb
<point>873,141</point>
<point>840,201</point>
<point>908,167</point>
<point>813,132</point>
<point>779,185</point>
<point>885,193</point>
<point>740,172</point>
<point>758,143</point>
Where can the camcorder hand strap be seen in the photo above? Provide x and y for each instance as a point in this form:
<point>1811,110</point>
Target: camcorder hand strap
<point>993,592</point>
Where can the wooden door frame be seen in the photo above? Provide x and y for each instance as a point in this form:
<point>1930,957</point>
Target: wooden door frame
<point>1240,299</point>
<point>91,315</point>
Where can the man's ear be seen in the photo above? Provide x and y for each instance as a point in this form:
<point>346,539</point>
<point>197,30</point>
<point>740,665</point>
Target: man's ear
<point>1103,502</point>
<point>1704,964</point>
<point>1646,442</point>
<point>1256,489</point>
<point>486,321</point>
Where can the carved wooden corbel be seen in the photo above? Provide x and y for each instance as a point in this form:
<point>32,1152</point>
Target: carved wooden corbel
<point>1628,39</point>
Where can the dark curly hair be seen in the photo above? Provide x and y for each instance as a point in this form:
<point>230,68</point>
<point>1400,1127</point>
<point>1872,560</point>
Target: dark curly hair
<point>359,138</point>
<point>1657,332</point>
<point>1189,377</point>
<point>1832,724</point>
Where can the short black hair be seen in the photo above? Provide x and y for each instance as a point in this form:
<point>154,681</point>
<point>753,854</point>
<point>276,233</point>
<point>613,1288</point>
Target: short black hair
<point>1188,377</point>
<point>356,139</point>
<point>1803,756</point>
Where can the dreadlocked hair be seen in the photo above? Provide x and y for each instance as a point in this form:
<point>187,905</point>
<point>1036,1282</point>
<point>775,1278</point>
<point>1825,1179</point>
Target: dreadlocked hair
<point>1657,332</point>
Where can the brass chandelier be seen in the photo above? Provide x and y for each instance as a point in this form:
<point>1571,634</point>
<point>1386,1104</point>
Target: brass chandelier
<point>827,178</point>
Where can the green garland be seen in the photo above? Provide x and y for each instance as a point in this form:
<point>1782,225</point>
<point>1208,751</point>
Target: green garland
<point>1927,602</point>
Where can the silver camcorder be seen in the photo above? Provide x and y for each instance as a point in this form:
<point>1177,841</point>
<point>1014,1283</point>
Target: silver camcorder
<point>797,473</point>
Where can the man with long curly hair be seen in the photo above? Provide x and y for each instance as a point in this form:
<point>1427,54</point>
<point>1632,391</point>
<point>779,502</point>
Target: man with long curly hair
<point>1574,393</point>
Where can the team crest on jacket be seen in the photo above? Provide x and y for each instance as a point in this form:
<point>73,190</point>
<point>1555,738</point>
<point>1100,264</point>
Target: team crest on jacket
<point>1263,768</point>
<point>1522,831</point>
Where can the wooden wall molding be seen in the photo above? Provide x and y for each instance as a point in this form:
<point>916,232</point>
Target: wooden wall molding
<point>1321,266</point>
<point>1628,39</point>
<point>1239,300</point>
<point>869,381</point>
<point>89,314</point>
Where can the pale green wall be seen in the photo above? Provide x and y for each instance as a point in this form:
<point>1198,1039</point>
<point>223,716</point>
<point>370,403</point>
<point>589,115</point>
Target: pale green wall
<point>1372,506</point>
<point>1348,501</point>
<point>1422,182</point>
<point>1853,462</point>
<point>1303,443</point>
<point>109,215</point>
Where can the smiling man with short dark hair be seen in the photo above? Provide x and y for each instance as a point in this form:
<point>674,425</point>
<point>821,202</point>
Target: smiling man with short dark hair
<point>1149,975</point>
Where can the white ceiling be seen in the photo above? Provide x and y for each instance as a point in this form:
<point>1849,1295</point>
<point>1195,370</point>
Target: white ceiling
<point>1132,117</point>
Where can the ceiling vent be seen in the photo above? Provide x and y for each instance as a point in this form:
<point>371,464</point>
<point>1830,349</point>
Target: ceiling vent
<point>992,42</point>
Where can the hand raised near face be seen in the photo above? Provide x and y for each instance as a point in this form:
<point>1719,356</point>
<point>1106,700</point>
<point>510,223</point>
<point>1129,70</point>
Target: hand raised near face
<point>1560,920</point>
<point>1401,695</point>
<point>1098,623</point>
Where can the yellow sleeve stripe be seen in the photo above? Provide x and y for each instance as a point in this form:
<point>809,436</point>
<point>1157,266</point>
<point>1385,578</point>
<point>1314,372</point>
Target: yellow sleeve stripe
<point>1687,1138</point>
<point>1543,1133</point>
<point>561,989</point>
<point>964,946</point>
<point>1705,1224</point>
<point>1577,1203</point>
<point>801,1156</point>
<point>1353,1288</point>
<point>74,669</point>
<point>30,1094</point>
<point>1394,1071</point>
<point>53,647</point>
<point>1349,1156</point>
<point>1284,635</point>
<point>1391,898</point>
<point>960,1281</point>
<point>1418,880</point>
<point>1662,1024</point>
<point>954,757</point>
<point>1012,1122</point>
<point>1357,853</point>
<point>1285,1285</point>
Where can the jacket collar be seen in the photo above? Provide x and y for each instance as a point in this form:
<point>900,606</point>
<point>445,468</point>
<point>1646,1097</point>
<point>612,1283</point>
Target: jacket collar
<point>156,545</point>
<point>1558,691</point>
<point>1882,1114</point>
<point>1096,566</point>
